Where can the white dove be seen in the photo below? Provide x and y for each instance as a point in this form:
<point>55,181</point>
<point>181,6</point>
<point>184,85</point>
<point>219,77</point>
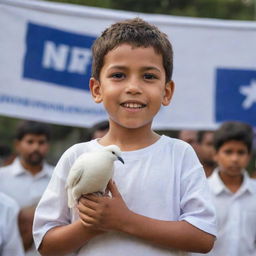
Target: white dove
<point>91,173</point>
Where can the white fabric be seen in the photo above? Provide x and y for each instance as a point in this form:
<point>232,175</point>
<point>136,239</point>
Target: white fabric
<point>163,181</point>
<point>10,241</point>
<point>236,217</point>
<point>31,63</point>
<point>21,185</point>
<point>26,189</point>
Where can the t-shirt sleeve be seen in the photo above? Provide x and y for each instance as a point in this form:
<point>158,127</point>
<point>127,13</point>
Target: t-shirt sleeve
<point>52,209</point>
<point>197,207</point>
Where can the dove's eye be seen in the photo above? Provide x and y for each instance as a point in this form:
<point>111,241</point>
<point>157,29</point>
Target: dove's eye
<point>113,152</point>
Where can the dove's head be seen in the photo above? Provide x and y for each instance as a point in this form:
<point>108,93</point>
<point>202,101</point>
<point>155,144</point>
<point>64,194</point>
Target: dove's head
<point>115,152</point>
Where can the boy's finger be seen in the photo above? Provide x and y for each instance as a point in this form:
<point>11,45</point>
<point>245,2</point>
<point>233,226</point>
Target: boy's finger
<point>91,197</point>
<point>87,203</point>
<point>113,189</point>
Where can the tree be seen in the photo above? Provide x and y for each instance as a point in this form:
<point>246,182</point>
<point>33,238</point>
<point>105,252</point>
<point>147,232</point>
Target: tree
<point>221,9</point>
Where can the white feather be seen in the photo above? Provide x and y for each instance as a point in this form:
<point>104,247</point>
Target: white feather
<point>91,173</point>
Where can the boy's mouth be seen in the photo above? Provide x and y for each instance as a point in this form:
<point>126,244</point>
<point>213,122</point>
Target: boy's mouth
<point>133,105</point>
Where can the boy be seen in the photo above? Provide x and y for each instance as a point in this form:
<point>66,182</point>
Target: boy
<point>159,196</point>
<point>233,191</point>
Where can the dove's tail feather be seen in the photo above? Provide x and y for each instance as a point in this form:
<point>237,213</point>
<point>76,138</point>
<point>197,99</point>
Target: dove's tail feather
<point>71,201</point>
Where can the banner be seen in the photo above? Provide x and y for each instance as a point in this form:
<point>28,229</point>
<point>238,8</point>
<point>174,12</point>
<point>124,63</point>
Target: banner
<point>45,65</point>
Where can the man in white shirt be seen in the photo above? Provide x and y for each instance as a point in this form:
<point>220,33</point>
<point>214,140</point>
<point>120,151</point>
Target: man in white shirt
<point>27,177</point>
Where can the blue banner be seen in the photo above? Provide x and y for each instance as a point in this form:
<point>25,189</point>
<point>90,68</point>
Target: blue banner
<point>236,95</point>
<point>57,56</point>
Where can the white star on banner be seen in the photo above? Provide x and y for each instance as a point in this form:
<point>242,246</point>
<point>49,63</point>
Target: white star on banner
<point>250,92</point>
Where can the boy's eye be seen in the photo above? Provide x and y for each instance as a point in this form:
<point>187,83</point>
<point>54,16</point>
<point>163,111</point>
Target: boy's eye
<point>228,152</point>
<point>117,75</point>
<point>149,76</point>
<point>242,152</point>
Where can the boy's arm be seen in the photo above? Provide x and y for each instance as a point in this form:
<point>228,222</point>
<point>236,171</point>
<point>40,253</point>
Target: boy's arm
<point>112,214</point>
<point>71,237</point>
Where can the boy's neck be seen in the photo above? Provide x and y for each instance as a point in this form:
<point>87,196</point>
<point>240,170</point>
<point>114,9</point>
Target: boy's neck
<point>233,183</point>
<point>129,139</point>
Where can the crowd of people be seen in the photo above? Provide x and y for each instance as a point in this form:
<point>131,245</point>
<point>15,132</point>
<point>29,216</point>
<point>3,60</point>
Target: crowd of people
<point>160,201</point>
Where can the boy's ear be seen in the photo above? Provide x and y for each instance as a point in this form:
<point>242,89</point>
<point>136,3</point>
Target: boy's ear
<point>95,89</point>
<point>168,93</point>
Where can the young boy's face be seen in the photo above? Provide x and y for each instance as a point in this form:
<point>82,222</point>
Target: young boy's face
<point>132,85</point>
<point>232,158</point>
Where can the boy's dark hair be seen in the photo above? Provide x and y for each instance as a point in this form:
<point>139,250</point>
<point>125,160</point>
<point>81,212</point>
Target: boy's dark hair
<point>32,127</point>
<point>237,131</point>
<point>135,32</point>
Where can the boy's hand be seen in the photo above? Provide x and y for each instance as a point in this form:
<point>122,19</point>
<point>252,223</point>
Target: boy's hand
<point>104,213</point>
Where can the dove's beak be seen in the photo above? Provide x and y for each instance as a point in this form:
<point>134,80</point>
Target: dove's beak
<point>120,159</point>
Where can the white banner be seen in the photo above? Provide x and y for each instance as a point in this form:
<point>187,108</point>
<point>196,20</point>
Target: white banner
<point>45,63</point>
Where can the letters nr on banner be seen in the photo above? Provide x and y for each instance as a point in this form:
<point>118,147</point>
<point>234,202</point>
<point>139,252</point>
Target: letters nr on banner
<point>58,57</point>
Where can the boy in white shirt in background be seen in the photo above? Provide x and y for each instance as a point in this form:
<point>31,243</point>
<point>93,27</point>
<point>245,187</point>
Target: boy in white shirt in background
<point>160,202</point>
<point>10,240</point>
<point>233,191</point>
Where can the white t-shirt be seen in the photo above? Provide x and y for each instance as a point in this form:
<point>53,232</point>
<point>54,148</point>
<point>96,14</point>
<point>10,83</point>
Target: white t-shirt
<point>26,189</point>
<point>236,217</point>
<point>10,241</point>
<point>163,181</point>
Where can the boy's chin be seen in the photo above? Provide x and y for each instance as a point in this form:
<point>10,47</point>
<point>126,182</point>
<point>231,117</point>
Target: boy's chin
<point>234,172</point>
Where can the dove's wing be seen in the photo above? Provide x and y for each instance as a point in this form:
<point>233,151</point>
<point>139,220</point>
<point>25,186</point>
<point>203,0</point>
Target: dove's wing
<point>74,177</point>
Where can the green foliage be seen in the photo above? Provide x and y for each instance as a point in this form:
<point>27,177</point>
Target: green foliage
<point>221,9</point>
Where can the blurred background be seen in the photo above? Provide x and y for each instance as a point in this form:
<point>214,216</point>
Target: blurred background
<point>64,136</point>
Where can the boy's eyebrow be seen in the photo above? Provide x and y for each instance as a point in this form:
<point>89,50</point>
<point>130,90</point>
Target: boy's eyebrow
<point>143,68</point>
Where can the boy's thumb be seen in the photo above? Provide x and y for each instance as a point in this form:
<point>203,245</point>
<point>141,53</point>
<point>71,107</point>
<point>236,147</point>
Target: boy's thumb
<point>113,189</point>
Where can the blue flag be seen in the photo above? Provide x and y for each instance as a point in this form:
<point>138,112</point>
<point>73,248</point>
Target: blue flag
<point>236,95</point>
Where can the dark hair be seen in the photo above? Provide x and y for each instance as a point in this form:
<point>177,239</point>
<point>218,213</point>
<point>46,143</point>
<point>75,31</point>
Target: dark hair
<point>237,131</point>
<point>5,150</point>
<point>101,126</point>
<point>135,32</point>
<point>32,127</point>
<point>200,135</point>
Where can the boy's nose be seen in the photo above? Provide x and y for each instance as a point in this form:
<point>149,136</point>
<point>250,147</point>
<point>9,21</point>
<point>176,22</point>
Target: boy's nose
<point>133,87</point>
<point>235,157</point>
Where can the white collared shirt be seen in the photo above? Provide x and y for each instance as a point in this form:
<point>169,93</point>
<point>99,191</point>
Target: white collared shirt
<point>236,217</point>
<point>10,241</point>
<point>26,189</point>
